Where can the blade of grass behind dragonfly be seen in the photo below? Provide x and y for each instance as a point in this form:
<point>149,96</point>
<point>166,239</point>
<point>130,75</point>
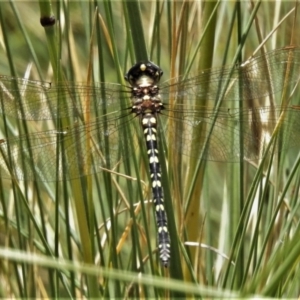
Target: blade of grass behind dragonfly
<point>263,191</point>
<point>241,229</point>
<point>104,187</point>
<point>22,126</point>
<point>112,197</point>
<point>243,266</point>
<point>137,39</point>
<point>40,226</point>
<point>27,38</point>
<point>209,231</point>
<point>235,172</point>
<point>158,21</point>
<point>267,235</point>
<point>151,25</point>
<point>175,269</point>
<point>51,36</point>
<point>192,215</point>
<point>286,127</point>
<point>80,191</point>
<point>75,190</point>
<point>279,131</point>
<point>277,268</point>
<point>177,35</point>
<point>176,169</point>
<point>156,31</point>
<point>21,199</point>
<point>87,118</point>
<point>137,33</point>
<point>199,161</point>
<point>240,236</point>
<point>78,186</point>
<point>239,272</point>
<point>107,194</point>
<point>175,165</point>
<point>109,38</point>
<point>89,16</point>
<point>157,36</point>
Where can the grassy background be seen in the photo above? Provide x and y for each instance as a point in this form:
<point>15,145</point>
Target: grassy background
<point>234,227</point>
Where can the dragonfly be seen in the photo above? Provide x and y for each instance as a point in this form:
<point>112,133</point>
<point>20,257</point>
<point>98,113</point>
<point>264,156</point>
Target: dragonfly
<point>225,103</point>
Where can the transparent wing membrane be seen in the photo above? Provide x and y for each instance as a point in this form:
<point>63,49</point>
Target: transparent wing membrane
<point>88,147</point>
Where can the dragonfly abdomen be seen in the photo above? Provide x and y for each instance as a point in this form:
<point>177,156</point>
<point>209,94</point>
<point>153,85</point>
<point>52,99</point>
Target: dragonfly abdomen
<point>149,124</point>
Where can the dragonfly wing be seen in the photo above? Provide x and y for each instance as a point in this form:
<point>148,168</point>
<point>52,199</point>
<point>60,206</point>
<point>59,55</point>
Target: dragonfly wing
<point>67,154</point>
<point>36,100</point>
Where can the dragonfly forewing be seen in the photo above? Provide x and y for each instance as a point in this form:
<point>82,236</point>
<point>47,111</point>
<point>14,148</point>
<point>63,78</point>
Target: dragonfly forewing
<point>111,132</point>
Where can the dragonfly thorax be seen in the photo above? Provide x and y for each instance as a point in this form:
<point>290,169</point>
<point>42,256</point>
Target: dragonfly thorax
<point>146,100</point>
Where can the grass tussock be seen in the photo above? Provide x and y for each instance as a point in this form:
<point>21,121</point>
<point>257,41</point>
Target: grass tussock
<point>76,208</point>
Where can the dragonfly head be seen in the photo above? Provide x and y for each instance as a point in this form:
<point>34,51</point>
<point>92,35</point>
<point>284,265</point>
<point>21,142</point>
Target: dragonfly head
<point>144,74</point>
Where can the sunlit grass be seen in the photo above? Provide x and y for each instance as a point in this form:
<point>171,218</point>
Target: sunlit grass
<point>242,216</point>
